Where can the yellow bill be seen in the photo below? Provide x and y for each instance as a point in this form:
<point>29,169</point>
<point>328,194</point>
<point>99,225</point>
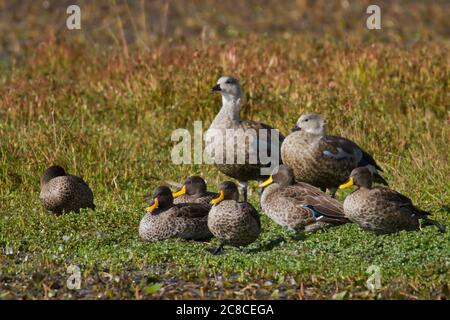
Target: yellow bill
<point>219,198</point>
<point>153,206</point>
<point>180,192</point>
<point>266,183</point>
<point>346,185</point>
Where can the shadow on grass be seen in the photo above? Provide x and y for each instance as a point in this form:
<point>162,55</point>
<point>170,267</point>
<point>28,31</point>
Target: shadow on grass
<point>267,245</point>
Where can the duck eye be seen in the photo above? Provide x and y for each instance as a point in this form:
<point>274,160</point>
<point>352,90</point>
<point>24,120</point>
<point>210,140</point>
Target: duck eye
<point>306,120</point>
<point>228,81</point>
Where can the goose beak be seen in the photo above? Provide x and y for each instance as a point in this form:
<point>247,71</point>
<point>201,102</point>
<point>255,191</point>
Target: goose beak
<point>219,198</point>
<point>266,183</point>
<point>346,185</point>
<point>180,192</point>
<point>216,88</point>
<point>153,206</point>
<point>296,128</point>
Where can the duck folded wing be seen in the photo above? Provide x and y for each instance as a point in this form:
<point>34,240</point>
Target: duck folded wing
<point>252,212</point>
<point>391,196</point>
<point>192,210</point>
<point>315,201</point>
<point>341,148</point>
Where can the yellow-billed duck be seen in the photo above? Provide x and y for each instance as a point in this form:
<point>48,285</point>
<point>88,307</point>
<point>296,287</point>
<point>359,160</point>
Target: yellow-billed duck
<point>234,223</point>
<point>166,220</point>
<point>380,209</point>
<point>299,206</point>
<point>194,190</point>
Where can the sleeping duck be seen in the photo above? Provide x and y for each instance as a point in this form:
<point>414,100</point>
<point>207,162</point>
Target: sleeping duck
<point>62,192</point>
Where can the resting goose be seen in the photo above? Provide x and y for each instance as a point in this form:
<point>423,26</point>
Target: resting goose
<point>321,160</point>
<point>299,206</point>
<point>165,220</point>
<point>61,192</point>
<point>244,163</point>
<point>234,223</point>
<point>194,190</point>
<point>380,209</point>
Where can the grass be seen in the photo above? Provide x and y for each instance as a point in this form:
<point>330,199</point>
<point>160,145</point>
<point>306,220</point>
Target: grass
<point>108,117</point>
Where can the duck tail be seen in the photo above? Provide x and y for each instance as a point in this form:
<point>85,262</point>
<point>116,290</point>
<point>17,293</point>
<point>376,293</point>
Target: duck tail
<point>429,222</point>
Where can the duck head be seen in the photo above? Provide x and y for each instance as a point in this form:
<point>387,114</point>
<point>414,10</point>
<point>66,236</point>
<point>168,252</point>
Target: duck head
<point>227,191</point>
<point>52,172</point>
<point>194,185</point>
<point>360,177</point>
<point>284,177</point>
<point>229,88</point>
<point>310,123</point>
<point>162,199</point>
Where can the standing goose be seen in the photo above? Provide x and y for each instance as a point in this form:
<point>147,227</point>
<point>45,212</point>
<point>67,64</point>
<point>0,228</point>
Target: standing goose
<point>194,190</point>
<point>61,192</point>
<point>234,223</point>
<point>246,162</point>
<point>299,206</point>
<point>380,209</point>
<point>321,160</point>
<point>165,220</point>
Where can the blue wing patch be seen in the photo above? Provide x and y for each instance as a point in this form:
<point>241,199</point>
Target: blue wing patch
<point>316,214</point>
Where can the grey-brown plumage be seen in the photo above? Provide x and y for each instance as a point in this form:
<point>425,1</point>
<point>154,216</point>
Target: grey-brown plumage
<point>61,192</point>
<point>299,206</point>
<point>321,160</point>
<point>166,220</point>
<point>227,125</point>
<point>234,223</point>
<point>194,190</point>
<point>380,209</point>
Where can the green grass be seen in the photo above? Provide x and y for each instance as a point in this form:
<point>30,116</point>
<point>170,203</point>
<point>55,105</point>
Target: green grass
<point>109,117</point>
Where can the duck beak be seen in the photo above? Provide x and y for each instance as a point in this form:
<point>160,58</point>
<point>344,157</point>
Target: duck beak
<point>346,185</point>
<point>266,183</point>
<point>154,205</point>
<point>180,192</point>
<point>219,198</point>
<point>296,128</point>
<point>216,88</point>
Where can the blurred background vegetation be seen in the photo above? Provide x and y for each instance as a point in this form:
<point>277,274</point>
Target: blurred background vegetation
<point>145,25</point>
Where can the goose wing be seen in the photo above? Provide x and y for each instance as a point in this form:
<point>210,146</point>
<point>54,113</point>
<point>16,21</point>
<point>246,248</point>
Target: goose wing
<point>344,148</point>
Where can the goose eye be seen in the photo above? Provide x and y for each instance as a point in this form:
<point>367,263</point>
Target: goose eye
<point>306,120</point>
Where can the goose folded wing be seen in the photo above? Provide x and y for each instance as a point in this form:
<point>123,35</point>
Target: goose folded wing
<point>340,148</point>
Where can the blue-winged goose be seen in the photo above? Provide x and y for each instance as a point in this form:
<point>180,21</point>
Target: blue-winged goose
<point>321,160</point>
<point>194,190</point>
<point>299,206</point>
<point>248,167</point>
<point>234,223</point>
<point>380,209</point>
<point>61,192</point>
<point>165,220</point>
